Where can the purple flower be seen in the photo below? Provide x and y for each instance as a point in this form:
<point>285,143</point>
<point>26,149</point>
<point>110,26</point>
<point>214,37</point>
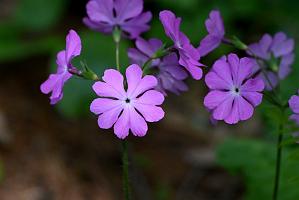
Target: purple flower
<point>215,28</point>
<point>234,92</point>
<point>277,52</point>
<point>56,81</point>
<point>294,105</point>
<point>105,15</point>
<point>127,109</point>
<point>189,55</point>
<point>170,74</point>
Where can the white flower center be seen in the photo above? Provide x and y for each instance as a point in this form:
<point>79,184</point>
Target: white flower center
<point>236,91</point>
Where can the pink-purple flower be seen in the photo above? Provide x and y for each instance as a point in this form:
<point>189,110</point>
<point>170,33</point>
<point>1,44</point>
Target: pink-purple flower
<point>233,91</point>
<point>215,27</point>
<point>294,105</point>
<point>105,15</point>
<point>169,73</point>
<point>278,56</point>
<point>188,55</point>
<point>128,109</point>
<point>54,84</point>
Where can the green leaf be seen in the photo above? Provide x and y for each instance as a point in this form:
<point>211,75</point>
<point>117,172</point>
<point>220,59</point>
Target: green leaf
<point>38,14</point>
<point>255,161</point>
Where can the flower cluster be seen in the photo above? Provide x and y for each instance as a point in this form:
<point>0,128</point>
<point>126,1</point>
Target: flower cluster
<point>294,105</point>
<point>188,55</point>
<point>277,57</point>
<point>126,103</point>
<point>169,73</point>
<point>105,15</point>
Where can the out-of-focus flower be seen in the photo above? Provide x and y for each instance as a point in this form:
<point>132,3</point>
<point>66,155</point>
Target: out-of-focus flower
<point>188,55</point>
<point>294,105</point>
<point>215,28</point>
<point>278,56</point>
<point>56,81</point>
<point>234,92</point>
<point>168,71</point>
<point>105,15</point>
<point>130,109</point>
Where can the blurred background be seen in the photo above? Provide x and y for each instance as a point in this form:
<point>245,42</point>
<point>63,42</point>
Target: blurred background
<point>59,152</point>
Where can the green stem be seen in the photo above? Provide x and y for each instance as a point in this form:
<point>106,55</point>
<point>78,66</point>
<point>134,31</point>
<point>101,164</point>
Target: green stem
<point>278,158</point>
<point>125,160</point>
<point>125,154</point>
<point>117,55</point>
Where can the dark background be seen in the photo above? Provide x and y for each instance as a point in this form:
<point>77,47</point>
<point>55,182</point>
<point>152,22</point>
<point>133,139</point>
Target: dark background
<point>59,152</point>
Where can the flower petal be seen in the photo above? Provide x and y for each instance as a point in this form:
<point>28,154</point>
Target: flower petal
<point>47,86</point>
<point>136,84</point>
<point>122,125</point>
<point>138,125</point>
<point>285,65</point>
<point>148,47</point>
<point>116,80</point>
<point>224,109</point>
<point>208,44</point>
<point>294,104</point>
<point>73,46</point>
<point>150,113</point>
<point>61,62</point>
<point>100,11</point>
<point>171,24</point>
<point>245,109</point>
<point>254,98</point>
<point>245,70</point>
<point>214,82</point>
<point>98,26</point>
<point>215,24</point>
<point>137,25</point>
<point>136,57</point>
<point>222,69</point>
<point>126,9</point>
<point>109,117</point>
<point>233,117</point>
<point>253,85</point>
<point>281,45</point>
<point>151,97</point>
<point>101,105</point>
<point>214,98</point>
<point>103,89</point>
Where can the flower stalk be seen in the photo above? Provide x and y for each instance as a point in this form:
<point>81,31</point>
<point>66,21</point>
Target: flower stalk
<point>126,180</point>
<point>278,156</point>
<point>125,153</point>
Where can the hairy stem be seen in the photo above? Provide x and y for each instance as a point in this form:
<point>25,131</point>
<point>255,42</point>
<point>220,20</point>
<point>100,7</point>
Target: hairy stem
<point>117,56</point>
<point>278,158</point>
<point>125,154</point>
<point>125,160</point>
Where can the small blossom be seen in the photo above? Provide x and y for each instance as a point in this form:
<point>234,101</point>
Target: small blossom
<point>56,81</point>
<point>127,109</point>
<point>168,71</point>
<point>105,15</point>
<point>215,28</point>
<point>188,55</point>
<point>234,92</point>
<point>294,105</point>
<point>277,52</point>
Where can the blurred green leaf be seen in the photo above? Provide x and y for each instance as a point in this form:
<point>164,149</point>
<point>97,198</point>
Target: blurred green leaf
<point>38,14</point>
<point>99,53</point>
<point>255,161</point>
<point>17,48</point>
